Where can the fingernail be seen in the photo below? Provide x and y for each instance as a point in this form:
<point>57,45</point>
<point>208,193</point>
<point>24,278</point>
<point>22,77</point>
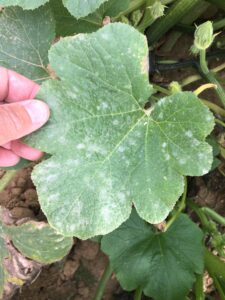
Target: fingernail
<point>37,110</point>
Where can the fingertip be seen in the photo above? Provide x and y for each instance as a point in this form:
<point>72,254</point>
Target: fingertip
<point>8,158</point>
<point>38,111</point>
<point>25,151</point>
<point>4,83</point>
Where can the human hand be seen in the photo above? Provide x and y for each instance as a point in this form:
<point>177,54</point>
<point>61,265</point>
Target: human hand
<point>19,116</point>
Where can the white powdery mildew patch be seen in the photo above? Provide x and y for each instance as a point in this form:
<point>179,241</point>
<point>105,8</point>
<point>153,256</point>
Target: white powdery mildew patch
<point>121,197</point>
<point>53,197</point>
<point>80,146</point>
<point>182,161</point>
<point>167,156</point>
<point>189,133</point>
<point>116,122</point>
<point>121,149</point>
<point>52,177</point>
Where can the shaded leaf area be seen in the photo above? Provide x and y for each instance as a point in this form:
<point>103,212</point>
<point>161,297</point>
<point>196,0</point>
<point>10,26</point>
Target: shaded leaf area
<point>25,38</point>
<point>82,8</point>
<point>34,240</point>
<point>66,24</point>
<point>111,152</point>
<point>25,4</point>
<point>162,263</point>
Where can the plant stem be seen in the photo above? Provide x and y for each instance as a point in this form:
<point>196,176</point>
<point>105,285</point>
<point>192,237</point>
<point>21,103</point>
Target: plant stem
<point>103,282</point>
<point>216,270</point>
<point>215,108</point>
<point>219,287</point>
<point>199,293</point>
<point>175,13</point>
<point>220,122</point>
<point>204,87</point>
<point>213,215</point>
<point>193,78</point>
<point>138,294</point>
<point>160,89</point>
<point>219,24</point>
<point>132,7</point>
<point>210,76</point>
<point>220,3</point>
<point>180,208</point>
<point>200,214</point>
<point>7,177</point>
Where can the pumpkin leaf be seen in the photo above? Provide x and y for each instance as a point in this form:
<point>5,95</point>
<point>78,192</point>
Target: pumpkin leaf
<point>80,8</point>
<point>110,151</point>
<point>66,24</point>
<point>25,4</point>
<point>162,263</point>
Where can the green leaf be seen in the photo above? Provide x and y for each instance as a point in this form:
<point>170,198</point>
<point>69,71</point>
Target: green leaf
<point>110,151</point>
<point>66,24</point>
<point>25,38</point>
<point>38,241</point>
<point>162,263</point>
<point>25,4</point>
<point>81,8</point>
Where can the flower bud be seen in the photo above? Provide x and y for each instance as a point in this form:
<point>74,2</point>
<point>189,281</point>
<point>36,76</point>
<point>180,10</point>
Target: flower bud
<point>204,36</point>
<point>157,10</point>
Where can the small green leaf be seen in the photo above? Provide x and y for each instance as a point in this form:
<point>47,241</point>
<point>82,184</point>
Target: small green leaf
<point>162,263</point>
<point>38,241</point>
<point>25,4</point>
<point>81,8</point>
<point>66,24</point>
<point>25,38</point>
<point>110,151</point>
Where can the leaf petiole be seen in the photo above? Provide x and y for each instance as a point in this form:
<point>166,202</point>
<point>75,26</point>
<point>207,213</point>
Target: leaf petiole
<point>210,76</point>
<point>180,208</point>
<point>7,177</point>
<point>199,292</point>
<point>103,282</point>
<point>138,294</point>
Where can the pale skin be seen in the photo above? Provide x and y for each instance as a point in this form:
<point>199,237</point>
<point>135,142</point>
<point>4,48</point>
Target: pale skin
<point>20,115</point>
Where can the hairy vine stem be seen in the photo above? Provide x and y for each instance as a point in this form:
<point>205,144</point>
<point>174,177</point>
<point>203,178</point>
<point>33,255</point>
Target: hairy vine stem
<point>180,208</point>
<point>7,177</point>
<point>138,294</point>
<point>103,282</point>
<point>210,76</point>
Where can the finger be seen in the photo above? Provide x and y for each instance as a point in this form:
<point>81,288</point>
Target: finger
<point>8,158</point>
<point>25,151</point>
<point>15,87</point>
<point>7,146</point>
<point>22,118</point>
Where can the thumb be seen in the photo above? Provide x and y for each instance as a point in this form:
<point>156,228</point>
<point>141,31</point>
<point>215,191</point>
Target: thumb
<point>21,118</point>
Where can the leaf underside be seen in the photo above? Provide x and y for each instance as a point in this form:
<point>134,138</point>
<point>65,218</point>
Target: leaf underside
<point>25,4</point>
<point>66,24</point>
<point>107,151</point>
<point>163,264</point>
<point>25,38</point>
<point>82,8</point>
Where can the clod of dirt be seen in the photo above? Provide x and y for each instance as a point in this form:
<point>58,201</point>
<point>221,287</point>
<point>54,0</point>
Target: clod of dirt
<point>22,212</point>
<point>70,267</point>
